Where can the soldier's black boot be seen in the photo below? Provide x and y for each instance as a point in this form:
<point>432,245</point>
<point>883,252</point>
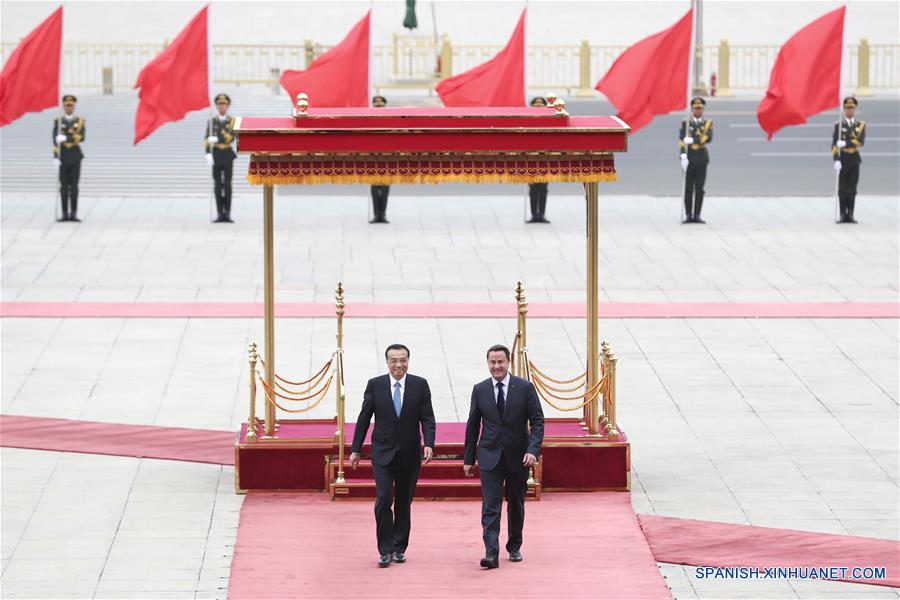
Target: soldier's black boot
<point>542,207</point>
<point>842,202</point>
<point>851,204</point>
<point>73,203</point>
<point>698,206</point>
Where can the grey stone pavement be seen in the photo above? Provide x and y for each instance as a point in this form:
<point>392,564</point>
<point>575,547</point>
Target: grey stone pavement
<point>788,422</point>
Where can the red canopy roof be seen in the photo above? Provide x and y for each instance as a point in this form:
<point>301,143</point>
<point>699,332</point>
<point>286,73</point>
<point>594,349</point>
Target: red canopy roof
<point>430,145</point>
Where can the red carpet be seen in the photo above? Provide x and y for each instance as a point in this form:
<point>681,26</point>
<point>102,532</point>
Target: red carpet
<point>707,543</point>
<point>140,441</point>
<point>612,310</point>
<point>576,546</point>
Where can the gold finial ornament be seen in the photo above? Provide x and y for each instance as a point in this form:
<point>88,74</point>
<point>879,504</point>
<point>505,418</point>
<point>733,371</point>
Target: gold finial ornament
<point>252,423</point>
<point>339,298</point>
<point>560,105</point>
<point>302,105</point>
<point>551,98</point>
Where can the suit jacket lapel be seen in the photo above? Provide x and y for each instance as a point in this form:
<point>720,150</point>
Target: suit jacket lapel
<point>492,400</point>
<point>387,388</point>
<point>406,396</point>
<point>510,398</point>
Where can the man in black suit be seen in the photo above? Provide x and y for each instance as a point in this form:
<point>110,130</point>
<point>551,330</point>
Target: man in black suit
<point>401,404</point>
<point>503,406</point>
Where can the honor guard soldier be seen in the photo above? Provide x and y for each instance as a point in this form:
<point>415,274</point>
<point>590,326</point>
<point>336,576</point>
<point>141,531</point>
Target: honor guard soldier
<point>68,133</point>
<point>379,192</point>
<point>693,137</point>
<point>537,192</point>
<point>220,156</point>
<point>846,142</point>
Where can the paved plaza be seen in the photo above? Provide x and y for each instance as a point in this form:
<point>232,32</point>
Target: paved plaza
<point>788,422</point>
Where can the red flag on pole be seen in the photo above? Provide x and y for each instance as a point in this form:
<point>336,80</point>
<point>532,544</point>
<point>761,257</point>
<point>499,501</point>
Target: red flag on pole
<point>806,78</point>
<point>340,77</point>
<point>176,81</point>
<point>497,82</point>
<point>30,78</point>
<point>651,77</point>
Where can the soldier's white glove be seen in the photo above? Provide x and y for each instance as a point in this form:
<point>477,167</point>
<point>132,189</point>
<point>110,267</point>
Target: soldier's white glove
<point>688,140</point>
<point>56,163</point>
<point>684,162</point>
<point>837,166</point>
<point>213,139</point>
<point>209,159</point>
<point>61,138</point>
<point>841,144</point>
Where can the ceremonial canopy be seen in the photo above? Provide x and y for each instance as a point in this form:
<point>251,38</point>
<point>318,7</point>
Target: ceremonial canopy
<point>382,146</point>
<point>386,146</point>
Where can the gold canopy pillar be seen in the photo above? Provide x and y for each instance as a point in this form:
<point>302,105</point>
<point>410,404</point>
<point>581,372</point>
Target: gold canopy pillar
<point>269,300</point>
<point>592,412</point>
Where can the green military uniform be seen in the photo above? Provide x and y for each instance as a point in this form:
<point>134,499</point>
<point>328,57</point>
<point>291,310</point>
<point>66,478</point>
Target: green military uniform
<point>537,192</point>
<point>695,159</point>
<point>379,192</point>
<point>221,127</point>
<point>68,133</point>
<point>852,132</point>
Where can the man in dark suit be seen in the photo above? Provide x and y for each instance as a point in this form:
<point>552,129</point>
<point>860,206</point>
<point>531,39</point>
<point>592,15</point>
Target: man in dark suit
<point>401,404</point>
<point>68,133</point>
<point>502,408</point>
<point>379,192</point>
<point>694,135</point>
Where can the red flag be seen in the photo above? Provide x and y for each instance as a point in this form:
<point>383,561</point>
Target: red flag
<point>806,78</point>
<point>30,78</point>
<point>497,82</point>
<point>651,77</point>
<point>340,77</point>
<point>176,81</point>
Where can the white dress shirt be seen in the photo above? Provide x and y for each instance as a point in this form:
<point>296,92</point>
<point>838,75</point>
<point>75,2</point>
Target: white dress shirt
<point>505,382</point>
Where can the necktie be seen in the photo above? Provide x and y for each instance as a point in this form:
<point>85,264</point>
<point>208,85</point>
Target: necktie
<point>397,398</point>
<point>501,402</point>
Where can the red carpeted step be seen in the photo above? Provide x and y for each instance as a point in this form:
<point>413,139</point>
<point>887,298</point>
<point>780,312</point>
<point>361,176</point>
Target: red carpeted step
<point>441,478</point>
<point>426,488</point>
<point>436,469</point>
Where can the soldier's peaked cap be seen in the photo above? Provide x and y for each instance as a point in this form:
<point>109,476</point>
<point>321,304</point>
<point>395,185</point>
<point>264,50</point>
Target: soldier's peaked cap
<point>224,97</point>
<point>698,101</point>
<point>69,99</point>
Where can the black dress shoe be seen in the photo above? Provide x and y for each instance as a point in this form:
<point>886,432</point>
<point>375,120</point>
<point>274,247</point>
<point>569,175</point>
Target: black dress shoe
<point>687,220</point>
<point>490,562</point>
<point>62,219</point>
<point>699,220</point>
<point>533,220</point>
<point>399,557</point>
<point>379,219</point>
<point>74,219</point>
<point>515,556</point>
<point>543,219</point>
<point>384,560</point>
<point>851,220</point>
<point>227,220</point>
